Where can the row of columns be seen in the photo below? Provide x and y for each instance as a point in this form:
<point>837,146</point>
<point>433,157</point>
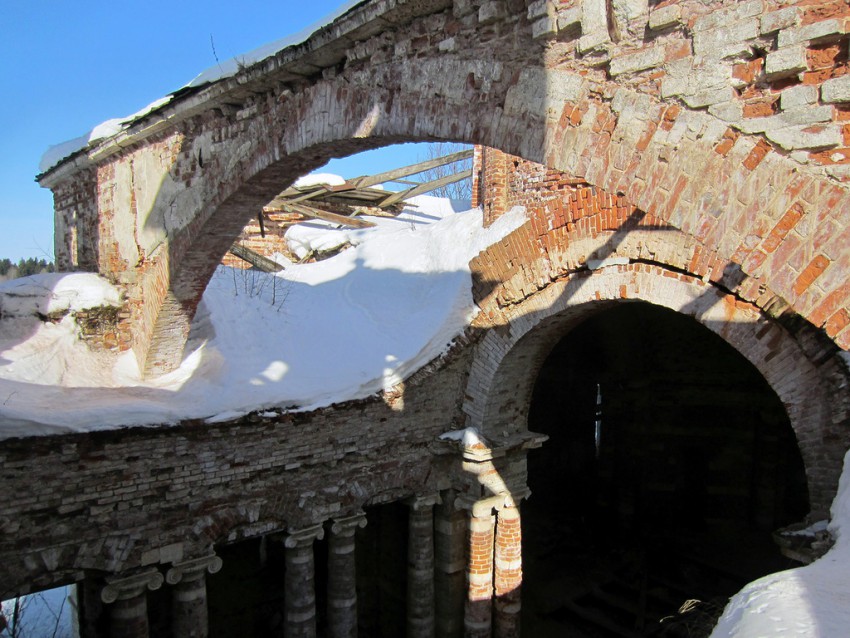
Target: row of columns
<point>464,571</point>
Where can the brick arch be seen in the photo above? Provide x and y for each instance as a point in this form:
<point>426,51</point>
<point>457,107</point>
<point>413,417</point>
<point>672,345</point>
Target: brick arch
<point>594,140</point>
<point>646,110</point>
<point>521,335</point>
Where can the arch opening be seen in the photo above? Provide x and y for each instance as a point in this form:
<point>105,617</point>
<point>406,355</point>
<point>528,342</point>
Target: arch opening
<point>669,464</point>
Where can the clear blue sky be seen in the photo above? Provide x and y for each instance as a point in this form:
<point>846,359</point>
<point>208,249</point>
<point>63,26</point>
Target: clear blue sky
<point>67,66</point>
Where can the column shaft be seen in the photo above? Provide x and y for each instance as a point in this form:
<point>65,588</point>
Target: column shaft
<point>508,574</point>
<point>128,617</point>
<point>420,571</point>
<point>478,613</point>
<point>342,577</point>
<point>300,602</point>
<point>189,608</point>
<point>450,569</point>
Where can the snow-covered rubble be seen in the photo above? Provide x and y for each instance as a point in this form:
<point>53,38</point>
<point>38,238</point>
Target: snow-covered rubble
<point>315,334</point>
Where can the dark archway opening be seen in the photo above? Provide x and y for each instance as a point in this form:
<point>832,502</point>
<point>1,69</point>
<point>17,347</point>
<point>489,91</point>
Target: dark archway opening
<point>670,462</point>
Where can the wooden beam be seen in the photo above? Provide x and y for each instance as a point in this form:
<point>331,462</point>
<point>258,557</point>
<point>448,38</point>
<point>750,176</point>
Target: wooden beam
<point>255,259</point>
<point>294,193</point>
<point>425,188</point>
<point>404,171</point>
<point>309,211</point>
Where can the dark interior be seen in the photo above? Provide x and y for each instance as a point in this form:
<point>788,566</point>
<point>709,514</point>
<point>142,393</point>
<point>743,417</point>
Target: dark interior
<point>670,462</point>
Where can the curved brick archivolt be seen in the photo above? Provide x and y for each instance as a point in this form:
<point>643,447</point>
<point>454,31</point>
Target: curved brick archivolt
<point>584,249</point>
<point>520,336</point>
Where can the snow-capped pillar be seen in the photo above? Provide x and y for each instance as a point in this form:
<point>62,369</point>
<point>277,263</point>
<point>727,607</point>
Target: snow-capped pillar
<point>508,573</point>
<point>420,566</point>
<point>450,567</point>
<point>300,602</point>
<point>127,600</point>
<point>342,576</point>
<point>189,617</point>
<point>478,611</point>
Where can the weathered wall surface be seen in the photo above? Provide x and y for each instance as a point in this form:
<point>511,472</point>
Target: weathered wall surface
<point>584,249</point>
<point>726,120</point>
<point>113,501</point>
<point>709,139</point>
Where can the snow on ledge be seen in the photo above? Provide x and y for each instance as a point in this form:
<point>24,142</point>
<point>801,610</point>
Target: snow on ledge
<point>58,152</point>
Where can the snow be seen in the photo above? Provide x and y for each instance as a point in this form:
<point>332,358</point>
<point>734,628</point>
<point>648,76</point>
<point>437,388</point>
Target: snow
<point>312,335</point>
<point>314,179</point>
<point>468,437</point>
<point>811,601</point>
<point>56,153</point>
<point>222,70</point>
<point>55,292</point>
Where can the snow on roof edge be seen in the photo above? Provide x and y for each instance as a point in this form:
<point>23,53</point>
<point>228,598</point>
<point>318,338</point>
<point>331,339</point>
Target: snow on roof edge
<point>56,153</point>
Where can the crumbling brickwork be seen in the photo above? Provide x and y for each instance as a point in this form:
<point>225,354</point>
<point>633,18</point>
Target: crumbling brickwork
<point>690,154</point>
<point>716,118</point>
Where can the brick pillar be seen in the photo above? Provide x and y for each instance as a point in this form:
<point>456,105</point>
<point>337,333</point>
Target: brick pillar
<point>494,180</point>
<point>189,618</point>
<point>450,567</point>
<point>508,573</point>
<point>420,567</point>
<point>126,597</point>
<point>478,613</point>
<point>300,603</point>
<point>342,577</point>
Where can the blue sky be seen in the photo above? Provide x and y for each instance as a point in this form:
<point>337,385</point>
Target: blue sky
<point>67,66</point>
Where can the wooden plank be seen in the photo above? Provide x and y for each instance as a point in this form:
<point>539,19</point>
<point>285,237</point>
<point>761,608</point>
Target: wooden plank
<point>405,171</point>
<point>255,259</point>
<point>309,211</point>
<point>366,181</point>
<point>425,187</point>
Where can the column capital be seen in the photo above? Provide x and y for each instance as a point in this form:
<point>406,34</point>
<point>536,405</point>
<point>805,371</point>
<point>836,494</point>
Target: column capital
<point>125,587</point>
<point>347,525</point>
<point>422,501</point>
<point>193,569</point>
<point>303,537</point>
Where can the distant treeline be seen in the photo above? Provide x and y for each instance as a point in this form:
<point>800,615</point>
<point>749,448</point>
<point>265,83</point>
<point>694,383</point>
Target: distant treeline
<point>29,266</point>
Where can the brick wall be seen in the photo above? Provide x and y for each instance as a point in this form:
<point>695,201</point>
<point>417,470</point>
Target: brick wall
<point>719,119</point>
<point>110,501</point>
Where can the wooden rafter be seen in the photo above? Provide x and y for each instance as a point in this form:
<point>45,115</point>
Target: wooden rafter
<point>309,211</point>
<point>425,187</point>
<point>255,259</point>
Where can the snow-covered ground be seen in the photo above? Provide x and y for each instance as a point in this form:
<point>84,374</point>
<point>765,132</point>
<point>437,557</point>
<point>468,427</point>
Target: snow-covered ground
<point>811,601</point>
<point>319,333</point>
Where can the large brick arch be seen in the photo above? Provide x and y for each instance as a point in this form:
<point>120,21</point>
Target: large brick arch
<point>522,325</point>
<point>716,119</point>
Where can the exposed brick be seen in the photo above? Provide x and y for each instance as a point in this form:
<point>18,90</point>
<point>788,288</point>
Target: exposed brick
<point>810,274</point>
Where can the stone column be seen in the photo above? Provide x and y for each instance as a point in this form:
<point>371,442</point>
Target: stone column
<point>128,608</point>
<point>90,608</point>
<point>478,614</point>
<point>300,603</point>
<point>508,573</point>
<point>420,566</point>
<point>450,567</point>
<point>342,577</point>
<point>189,617</point>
